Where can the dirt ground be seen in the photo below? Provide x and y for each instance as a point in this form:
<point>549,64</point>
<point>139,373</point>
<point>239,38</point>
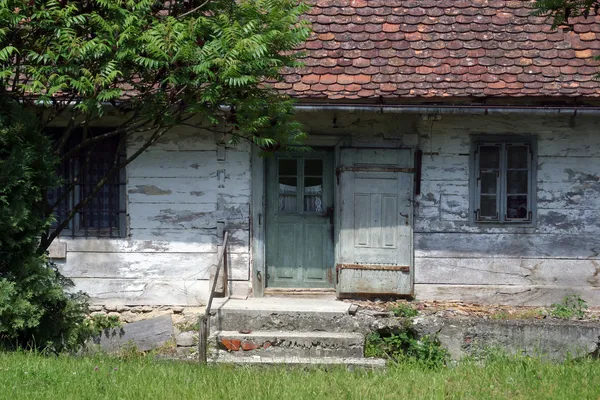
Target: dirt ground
<point>461,309</point>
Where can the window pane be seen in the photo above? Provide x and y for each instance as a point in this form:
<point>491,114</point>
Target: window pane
<point>489,183</point>
<point>517,156</point>
<point>516,207</point>
<point>287,194</point>
<point>313,167</point>
<point>516,182</point>
<point>489,157</point>
<point>313,194</point>
<point>488,207</point>
<point>288,167</point>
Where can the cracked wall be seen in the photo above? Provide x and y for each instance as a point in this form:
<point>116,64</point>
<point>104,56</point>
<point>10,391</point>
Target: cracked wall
<point>181,193</point>
<point>458,260</point>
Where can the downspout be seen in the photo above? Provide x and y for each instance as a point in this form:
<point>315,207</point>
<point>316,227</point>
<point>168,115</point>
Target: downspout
<point>442,109</point>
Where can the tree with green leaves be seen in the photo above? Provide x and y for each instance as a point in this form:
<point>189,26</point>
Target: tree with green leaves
<point>561,11</point>
<point>34,307</point>
<point>147,66</point>
<point>157,65</point>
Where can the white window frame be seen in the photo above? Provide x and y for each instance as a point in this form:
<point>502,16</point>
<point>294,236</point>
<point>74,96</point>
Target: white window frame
<point>503,142</point>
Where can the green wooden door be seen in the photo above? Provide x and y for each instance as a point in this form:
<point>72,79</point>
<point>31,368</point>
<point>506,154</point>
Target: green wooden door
<point>299,223</point>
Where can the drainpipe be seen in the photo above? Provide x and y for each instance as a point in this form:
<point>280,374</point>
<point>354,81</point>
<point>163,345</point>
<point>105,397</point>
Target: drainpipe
<point>443,109</point>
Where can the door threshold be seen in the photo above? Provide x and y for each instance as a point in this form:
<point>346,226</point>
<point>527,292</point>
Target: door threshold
<point>300,292</point>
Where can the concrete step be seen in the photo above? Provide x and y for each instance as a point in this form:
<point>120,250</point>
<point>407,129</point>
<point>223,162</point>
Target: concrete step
<point>289,344</point>
<point>368,363</point>
<point>285,314</point>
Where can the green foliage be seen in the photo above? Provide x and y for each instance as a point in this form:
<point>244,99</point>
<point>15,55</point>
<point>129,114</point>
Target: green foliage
<point>406,345</point>
<point>34,308</point>
<point>161,61</point>
<point>561,11</point>
<point>26,376</point>
<point>95,324</point>
<point>403,310</point>
<point>572,306</point>
<point>188,326</point>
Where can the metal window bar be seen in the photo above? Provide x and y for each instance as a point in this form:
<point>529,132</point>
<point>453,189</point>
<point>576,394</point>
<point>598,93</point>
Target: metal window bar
<point>204,323</point>
<point>104,214</point>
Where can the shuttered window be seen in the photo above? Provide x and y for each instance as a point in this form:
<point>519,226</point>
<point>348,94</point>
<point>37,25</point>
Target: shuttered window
<point>503,182</point>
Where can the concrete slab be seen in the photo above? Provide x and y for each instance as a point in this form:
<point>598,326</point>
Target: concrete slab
<point>144,335</point>
<point>284,304</point>
<point>370,363</point>
<point>296,344</point>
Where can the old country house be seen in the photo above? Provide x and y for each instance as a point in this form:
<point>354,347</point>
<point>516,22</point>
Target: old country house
<point>456,156</point>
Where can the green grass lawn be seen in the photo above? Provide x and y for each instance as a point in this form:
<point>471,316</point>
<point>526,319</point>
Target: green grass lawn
<point>30,376</point>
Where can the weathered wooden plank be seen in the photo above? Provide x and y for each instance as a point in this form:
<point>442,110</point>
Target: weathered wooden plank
<point>182,241</point>
<point>492,245</point>
<point>188,164</point>
<point>187,216</point>
<point>431,190</point>
<point>183,266</point>
<point>144,291</point>
<point>506,294</point>
<point>180,138</point>
<point>187,190</point>
<point>580,170</point>
<point>569,195</point>
<point>569,221</point>
<point>559,221</point>
<point>172,190</point>
<point>454,207</point>
<point>445,167</point>
<point>507,271</point>
<point>239,239</point>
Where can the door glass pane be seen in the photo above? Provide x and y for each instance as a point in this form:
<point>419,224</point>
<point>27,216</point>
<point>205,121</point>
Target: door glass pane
<point>488,207</point>
<point>516,182</point>
<point>489,182</point>
<point>489,157</point>
<point>517,156</point>
<point>288,185</point>
<point>288,167</point>
<point>516,207</point>
<point>287,193</point>
<point>313,194</point>
<point>313,167</point>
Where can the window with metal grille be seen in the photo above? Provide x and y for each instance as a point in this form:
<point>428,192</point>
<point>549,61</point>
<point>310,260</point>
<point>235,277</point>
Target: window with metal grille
<point>503,180</point>
<point>104,214</point>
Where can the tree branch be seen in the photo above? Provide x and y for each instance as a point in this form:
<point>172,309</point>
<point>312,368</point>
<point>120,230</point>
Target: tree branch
<point>160,131</point>
<point>193,10</point>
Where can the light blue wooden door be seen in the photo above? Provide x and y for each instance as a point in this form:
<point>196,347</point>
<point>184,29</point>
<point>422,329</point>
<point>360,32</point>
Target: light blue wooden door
<point>299,239</point>
<point>375,249</point>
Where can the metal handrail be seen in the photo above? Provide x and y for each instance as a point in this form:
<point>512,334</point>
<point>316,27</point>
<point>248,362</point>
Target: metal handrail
<point>203,329</point>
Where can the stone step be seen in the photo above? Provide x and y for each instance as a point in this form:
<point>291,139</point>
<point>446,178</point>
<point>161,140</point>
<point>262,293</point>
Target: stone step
<point>349,362</point>
<point>289,344</point>
<point>285,314</point>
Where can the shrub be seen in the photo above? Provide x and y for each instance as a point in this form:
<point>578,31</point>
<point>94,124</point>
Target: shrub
<point>572,306</point>
<point>404,311</point>
<point>35,309</point>
<point>406,345</point>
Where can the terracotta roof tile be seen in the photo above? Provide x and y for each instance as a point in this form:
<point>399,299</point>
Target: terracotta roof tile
<point>426,48</point>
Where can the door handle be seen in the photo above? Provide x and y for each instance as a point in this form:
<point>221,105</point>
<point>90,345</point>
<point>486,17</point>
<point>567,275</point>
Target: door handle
<point>329,214</point>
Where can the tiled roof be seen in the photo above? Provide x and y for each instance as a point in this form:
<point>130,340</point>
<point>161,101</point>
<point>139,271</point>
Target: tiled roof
<point>440,48</point>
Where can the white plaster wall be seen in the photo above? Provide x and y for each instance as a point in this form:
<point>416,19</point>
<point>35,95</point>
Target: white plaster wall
<point>177,191</point>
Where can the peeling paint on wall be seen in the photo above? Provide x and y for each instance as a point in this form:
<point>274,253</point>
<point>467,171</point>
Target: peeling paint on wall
<point>150,190</point>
